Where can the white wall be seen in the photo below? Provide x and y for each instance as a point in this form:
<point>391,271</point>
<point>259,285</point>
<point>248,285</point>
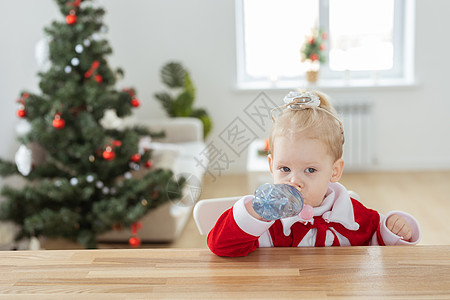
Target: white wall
<point>412,125</point>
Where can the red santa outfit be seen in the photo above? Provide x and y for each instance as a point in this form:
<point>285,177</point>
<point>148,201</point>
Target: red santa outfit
<point>338,221</point>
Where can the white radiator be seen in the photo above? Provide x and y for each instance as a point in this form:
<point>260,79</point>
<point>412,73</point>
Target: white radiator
<point>358,147</point>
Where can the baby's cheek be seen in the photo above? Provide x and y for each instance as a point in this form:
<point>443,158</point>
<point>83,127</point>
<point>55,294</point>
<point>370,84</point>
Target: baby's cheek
<point>278,178</point>
<point>317,199</point>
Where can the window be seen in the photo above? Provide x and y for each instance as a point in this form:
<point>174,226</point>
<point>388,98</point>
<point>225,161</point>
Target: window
<point>366,40</point>
<point>367,46</point>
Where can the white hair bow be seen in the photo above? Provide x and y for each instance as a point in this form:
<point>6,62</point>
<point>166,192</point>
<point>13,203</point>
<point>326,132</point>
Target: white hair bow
<point>301,101</point>
<point>298,101</point>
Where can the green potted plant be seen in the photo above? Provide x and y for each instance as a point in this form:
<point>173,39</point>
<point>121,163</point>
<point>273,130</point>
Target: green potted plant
<point>178,102</point>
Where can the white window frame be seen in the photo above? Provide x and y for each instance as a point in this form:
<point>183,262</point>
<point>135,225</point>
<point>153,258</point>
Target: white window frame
<point>402,73</point>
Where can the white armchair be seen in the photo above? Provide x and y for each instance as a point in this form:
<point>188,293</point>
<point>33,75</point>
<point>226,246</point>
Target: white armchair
<point>183,141</point>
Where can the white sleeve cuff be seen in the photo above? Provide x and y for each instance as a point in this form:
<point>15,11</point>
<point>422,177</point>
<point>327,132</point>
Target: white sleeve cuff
<point>245,221</point>
<point>391,239</point>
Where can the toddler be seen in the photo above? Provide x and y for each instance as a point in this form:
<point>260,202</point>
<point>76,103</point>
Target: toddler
<point>305,147</point>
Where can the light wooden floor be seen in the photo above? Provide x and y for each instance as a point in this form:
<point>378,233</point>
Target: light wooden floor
<point>424,194</point>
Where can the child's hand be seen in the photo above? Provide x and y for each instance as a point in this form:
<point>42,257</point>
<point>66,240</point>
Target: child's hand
<point>398,225</point>
<point>252,212</point>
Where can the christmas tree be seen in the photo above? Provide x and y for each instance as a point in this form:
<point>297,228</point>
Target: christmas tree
<point>84,184</point>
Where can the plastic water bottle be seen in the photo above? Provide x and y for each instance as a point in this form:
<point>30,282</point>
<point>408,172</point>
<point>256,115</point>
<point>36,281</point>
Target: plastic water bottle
<point>277,201</point>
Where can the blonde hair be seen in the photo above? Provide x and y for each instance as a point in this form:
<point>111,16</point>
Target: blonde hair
<point>316,123</point>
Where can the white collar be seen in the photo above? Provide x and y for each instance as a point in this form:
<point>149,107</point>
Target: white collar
<point>336,207</point>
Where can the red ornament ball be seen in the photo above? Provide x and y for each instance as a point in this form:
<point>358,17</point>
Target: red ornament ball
<point>117,143</point>
<point>314,57</point>
<point>71,19</point>
<point>136,157</point>
<point>134,241</point>
<point>149,163</point>
<point>108,154</point>
<point>135,102</point>
<point>58,122</point>
<point>21,113</point>
<point>98,78</point>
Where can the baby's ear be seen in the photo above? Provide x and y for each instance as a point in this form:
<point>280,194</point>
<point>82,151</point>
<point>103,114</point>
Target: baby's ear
<point>338,168</point>
<point>270,160</point>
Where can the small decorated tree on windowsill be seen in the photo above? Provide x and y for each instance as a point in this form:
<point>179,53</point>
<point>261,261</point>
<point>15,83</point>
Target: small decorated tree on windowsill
<point>313,53</point>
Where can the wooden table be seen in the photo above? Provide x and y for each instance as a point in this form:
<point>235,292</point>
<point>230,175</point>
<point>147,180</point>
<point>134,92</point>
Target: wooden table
<point>347,272</point>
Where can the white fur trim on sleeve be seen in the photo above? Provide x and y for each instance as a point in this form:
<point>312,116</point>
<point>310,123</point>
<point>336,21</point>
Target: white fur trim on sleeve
<point>245,221</point>
<point>390,238</point>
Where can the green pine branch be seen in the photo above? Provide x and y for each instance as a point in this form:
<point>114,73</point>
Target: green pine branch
<point>7,168</point>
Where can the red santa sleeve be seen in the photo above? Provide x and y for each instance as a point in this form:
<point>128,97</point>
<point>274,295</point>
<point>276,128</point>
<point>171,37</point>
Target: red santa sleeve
<point>236,232</point>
